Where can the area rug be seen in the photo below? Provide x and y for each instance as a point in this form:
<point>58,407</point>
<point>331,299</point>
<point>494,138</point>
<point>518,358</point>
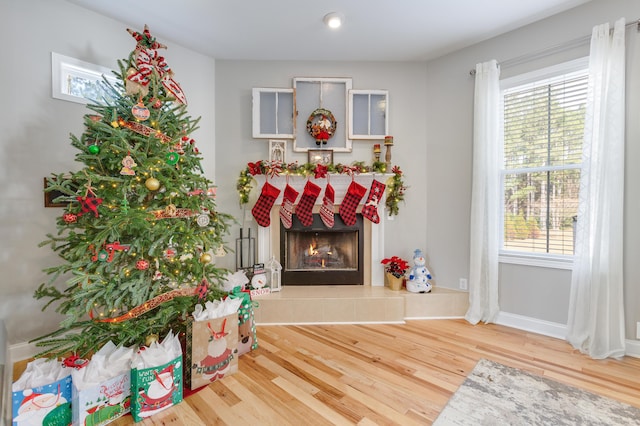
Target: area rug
<point>494,394</point>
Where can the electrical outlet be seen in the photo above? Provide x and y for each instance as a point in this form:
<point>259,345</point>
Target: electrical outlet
<point>463,284</point>
<point>638,330</point>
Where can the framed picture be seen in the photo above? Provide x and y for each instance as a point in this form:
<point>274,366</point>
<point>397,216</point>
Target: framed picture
<point>320,156</point>
<point>278,150</point>
<point>49,196</point>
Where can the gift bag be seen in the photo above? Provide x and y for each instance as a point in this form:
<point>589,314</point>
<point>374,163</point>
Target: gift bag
<point>156,378</point>
<point>247,335</point>
<point>212,345</point>
<point>102,389</point>
<point>42,395</point>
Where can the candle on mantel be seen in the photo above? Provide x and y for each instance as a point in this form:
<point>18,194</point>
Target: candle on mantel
<point>376,151</point>
<point>388,142</point>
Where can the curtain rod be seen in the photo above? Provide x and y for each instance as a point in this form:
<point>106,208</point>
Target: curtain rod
<point>552,49</point>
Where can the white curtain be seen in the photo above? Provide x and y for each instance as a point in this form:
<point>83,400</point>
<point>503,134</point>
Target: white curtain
<point>596,315</point>
<point>485,196</point>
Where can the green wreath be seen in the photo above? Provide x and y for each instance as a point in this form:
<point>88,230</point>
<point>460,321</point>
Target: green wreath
<point>321,125</point>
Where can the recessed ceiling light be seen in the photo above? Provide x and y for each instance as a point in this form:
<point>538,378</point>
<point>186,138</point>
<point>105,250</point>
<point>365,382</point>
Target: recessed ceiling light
<point>333,20</point>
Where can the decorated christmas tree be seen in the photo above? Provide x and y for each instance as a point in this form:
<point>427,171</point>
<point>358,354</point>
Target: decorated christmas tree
<point>138,234</point>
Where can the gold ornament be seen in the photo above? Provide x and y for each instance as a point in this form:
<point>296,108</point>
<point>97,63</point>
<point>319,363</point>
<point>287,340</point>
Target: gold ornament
<point>148,341</point>
<point>205,258</point>
<point>152,184</point>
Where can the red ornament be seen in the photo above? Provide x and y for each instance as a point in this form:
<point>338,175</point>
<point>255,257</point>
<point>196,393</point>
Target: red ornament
<point>70,217</point>
<point>142,264</point>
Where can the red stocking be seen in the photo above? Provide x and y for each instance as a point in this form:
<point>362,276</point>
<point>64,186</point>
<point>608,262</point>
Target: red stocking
<point>286,209</point>
<point>326,210</point>
<point>304,209</point>
<point>347,211</point>
<point>370,209</point>
<point>262,210</point>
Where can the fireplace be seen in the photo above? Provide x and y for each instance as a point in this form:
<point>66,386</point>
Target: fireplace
<point>317,255</point>
<point>371,251</point>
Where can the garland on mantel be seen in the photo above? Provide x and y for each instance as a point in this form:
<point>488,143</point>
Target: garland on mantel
<point>395,188</point>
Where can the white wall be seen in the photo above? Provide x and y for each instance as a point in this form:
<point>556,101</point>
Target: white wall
<point>406,84</point>
<point>534,292</point>
<point>35,128</point>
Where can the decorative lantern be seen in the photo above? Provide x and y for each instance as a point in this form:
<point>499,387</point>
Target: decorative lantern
<point>274,269</point>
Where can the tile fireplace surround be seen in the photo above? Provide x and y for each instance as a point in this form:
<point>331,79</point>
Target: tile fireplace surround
<point>368,303</point>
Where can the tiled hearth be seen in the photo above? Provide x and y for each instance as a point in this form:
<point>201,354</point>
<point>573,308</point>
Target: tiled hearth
<point>356,304</point>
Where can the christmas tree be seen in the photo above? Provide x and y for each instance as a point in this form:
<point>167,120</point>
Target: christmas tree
<point>137,236</point>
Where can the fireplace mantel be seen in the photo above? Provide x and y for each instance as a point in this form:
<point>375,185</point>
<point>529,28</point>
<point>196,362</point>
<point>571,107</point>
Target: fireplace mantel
<point>340,183</point>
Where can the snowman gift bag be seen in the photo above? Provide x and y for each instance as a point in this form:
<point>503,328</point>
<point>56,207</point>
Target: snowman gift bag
<point>212,343</point>
<point>42,395</point>
<point>156,377</point>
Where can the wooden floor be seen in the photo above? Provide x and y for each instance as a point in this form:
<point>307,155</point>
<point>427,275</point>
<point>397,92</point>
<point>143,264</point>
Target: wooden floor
<point>381,374</point>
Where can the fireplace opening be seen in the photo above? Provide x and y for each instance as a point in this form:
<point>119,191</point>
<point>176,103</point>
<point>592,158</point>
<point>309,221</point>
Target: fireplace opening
<point>317,255</point>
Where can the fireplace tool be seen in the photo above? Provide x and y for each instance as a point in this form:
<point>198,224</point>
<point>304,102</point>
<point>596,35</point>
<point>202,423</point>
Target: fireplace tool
<point>245,250</point>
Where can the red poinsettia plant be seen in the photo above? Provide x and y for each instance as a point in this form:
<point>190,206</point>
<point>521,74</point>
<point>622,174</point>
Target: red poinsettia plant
<point>395,265</point>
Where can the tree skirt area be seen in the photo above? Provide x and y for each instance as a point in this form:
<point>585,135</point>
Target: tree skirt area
<point>494,394</point>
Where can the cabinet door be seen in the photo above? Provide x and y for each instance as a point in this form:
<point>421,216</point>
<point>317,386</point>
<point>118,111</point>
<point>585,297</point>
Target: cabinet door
<point>273,112</point>
<point>368,114</point>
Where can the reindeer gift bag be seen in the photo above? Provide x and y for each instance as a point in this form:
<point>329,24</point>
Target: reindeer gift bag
<point>212,343</point>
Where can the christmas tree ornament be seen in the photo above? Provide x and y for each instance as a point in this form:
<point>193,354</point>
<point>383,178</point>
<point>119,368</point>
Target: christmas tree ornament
<point>172,158</point>
<point>103,255</point>
<point>94,149</point>
<point>262,209</point>
<point>156,103</point>
<point>151,339</point>
<point>140,111</point>
<point>370,209</point>
<point>142,264</point>
<point>286,208</point>
<point>203,219</point>
<point>127,166</point>
<point>347,210</point>
<point>304,209</point>
<point>152,184</point>
<point>205,258</point>
<point>70,218</point>
<point>326,210</point>
<point>89,204</point>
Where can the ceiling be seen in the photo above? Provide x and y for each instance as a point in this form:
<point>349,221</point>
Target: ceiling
<point>373,30</point>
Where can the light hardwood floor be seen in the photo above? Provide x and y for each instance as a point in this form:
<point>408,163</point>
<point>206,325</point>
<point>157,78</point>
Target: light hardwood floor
<point>381,374</point>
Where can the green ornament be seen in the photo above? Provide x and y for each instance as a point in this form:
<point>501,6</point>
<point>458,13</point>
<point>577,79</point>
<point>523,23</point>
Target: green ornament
<point>172,158</point>
<point>94,149</point>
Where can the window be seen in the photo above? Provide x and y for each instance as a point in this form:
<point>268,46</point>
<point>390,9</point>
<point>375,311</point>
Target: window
<point>542,155</point>
<point>78,81</point>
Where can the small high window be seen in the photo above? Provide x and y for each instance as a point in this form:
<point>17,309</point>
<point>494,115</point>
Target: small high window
<point>78,81</point>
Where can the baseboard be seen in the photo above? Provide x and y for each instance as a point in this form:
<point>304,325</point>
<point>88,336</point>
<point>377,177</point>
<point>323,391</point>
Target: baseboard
<point>21,351</point>
<point>546,328</point>
<point>552,329</point>
<point>632,348</point>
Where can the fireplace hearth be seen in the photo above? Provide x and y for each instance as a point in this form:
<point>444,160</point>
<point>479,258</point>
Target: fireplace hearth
<point>317,255</point>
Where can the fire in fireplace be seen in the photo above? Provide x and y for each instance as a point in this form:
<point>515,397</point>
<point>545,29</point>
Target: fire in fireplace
<point>317,255</point>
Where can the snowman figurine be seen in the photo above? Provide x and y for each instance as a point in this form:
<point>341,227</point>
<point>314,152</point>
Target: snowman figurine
<point>419,275</point>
